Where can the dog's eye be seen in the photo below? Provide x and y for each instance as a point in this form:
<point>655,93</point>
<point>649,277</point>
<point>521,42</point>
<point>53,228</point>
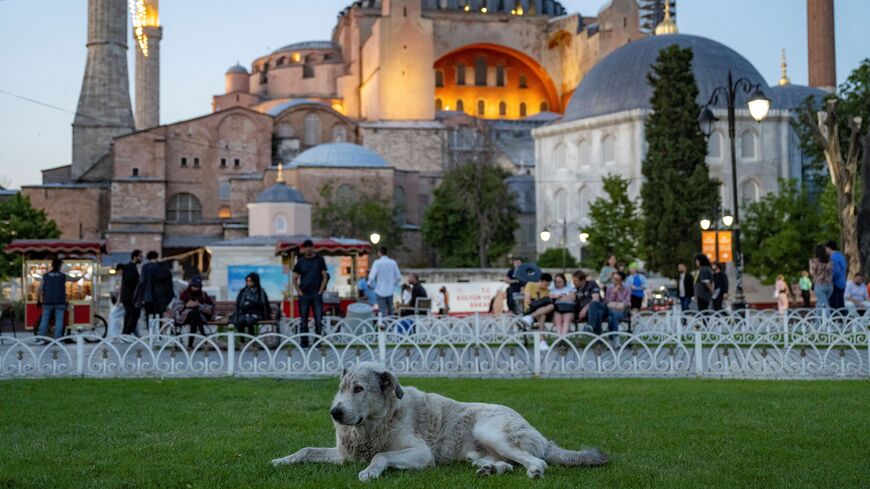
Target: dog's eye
<point>357,389</point>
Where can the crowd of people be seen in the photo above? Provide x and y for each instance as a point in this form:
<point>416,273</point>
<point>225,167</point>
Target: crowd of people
<point>827,278</point>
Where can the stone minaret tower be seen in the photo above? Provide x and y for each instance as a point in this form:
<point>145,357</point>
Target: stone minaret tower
<point>146,40</point>
<point>104,103</point>
<point>820,43</point>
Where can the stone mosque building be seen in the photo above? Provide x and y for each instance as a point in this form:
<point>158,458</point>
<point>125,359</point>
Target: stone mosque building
<point>402,91</point>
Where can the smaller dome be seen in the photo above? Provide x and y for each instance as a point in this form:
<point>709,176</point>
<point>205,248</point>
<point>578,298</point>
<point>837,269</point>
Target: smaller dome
<point>340,155</point>
<point>280,193</point>
<point>793,96</point>
<point>237,69</point>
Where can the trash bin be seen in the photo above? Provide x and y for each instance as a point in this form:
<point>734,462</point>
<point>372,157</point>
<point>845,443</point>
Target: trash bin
<point>359,319</point>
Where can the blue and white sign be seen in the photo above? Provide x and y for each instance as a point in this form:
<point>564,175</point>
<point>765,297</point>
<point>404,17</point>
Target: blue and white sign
<point>272,279</point>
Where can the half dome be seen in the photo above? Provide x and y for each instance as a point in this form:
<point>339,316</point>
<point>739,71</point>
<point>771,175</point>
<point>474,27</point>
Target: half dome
<point>618,82</point>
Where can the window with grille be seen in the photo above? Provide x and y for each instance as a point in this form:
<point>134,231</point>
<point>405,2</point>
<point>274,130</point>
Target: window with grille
<point>499,76</point>
<point>481,107</point>
<point>502,108</point>
<point>748,143</point>
<point>183,208</point>
<point>339,133</point>
<point>400,201</point>
<point>480,72</point>
<point>439,78</point>
<point>224,190</point>
<point>522,109</point>
<point>312,129</point>
<point>524,82</point>
<point>438,104</point>
<point>460,74</point>
<point>460,106</point>
<point>714,145</point>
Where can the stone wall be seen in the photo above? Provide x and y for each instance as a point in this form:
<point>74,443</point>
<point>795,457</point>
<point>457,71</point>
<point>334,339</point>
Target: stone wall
<point>80,211</point>
<point>413,147</point>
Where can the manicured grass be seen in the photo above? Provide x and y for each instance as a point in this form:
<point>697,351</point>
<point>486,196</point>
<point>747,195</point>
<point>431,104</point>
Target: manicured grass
<point>221,433</point>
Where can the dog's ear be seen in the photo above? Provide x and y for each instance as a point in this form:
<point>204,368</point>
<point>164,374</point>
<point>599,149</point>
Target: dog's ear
<point>389,381</point>
<point>343,373</point>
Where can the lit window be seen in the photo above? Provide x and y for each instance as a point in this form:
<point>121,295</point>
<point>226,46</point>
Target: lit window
<point>225,212</point>
<point>183,208</point>
<point>481,107</point>
<point>502,109</point>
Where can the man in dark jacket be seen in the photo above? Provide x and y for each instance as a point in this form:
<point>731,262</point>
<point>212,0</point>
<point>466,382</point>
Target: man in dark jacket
<point>155,285</point>
<point>52,295</point>
<point>685,286</point>
<point>129,281</point>
<point>310,278</point>
<point>417,292</point>
<point>720,285</point>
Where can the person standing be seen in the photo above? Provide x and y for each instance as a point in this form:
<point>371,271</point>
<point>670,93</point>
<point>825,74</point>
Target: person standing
<point>417,291</point>
<point>806,285</point>
<point>685,287</point>
<point>839,275</point>
<point>155,284</point>
<point>515,285</point>
<point>252,306</point>
<point>386,276</point>
<point>704,283</point>
<point>129,281</point>
<point>52,296</point>
<point>720,285</point>
<point>310,278</point>
<point>822,271</point>
<point>442,301</point>
<point>618,298</point>
<point>194,308</point>
<point>605,278</point>
<point>636,281</point>
<point>780,292</point>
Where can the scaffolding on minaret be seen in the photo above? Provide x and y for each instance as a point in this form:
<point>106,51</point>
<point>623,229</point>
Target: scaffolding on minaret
<point>652,13</point>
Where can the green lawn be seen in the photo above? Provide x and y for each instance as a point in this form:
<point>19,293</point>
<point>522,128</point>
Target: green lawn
<point>201,433</point>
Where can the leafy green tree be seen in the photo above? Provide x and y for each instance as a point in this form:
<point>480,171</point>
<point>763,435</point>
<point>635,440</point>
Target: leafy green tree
<point>615,224</point>
<point>677,191</point>
<point>781,231</point>
<point>358,217</point>
<point>557,258</point>
<point>472,218</point>
<point>19,220</point>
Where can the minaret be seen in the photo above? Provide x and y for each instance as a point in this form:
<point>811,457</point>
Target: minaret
<point>104,102</point>
<point>820,44</point>
<point>783,80</point>
<point>146,41</point>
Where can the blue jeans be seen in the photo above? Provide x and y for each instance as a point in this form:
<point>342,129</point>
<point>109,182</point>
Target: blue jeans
<point>595,315</point>
<point>685,303</point>
<point>613,319</point>
<point>823,295</point>
<point>306,303</point>
<point>385,306</point>
<point>47,311</point>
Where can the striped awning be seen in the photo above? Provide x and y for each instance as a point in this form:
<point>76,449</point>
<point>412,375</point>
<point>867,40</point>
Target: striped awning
<point>66,247</point>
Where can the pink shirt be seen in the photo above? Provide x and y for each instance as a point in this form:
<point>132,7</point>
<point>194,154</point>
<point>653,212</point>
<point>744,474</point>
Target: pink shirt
<point>622,295</point>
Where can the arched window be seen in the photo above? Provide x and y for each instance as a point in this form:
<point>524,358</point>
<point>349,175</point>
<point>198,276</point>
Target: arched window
<point>560,156</point>
<point>748,145</point>
<point>560,200</point>
<point>524,83</point>
<point>460,106</point>
<point>279,223</point>
<point>714,146</point>
<point>545,107</point>
<point>481,107</point>
<point>749,192</point>
<point>439,78</point>
<point>438,104</point>
<point>400,201</point>
<point>339,133</point>
<point>499,76</point>
<point>480,71</point>
<point>582,202</point>
<point>183,208</point>
<point>522,109</point>
<point>345,194</point>
<point>608,149</point>
<point>583,153</point>
<point>460,74</point>
<point>502,109</point>
<point>308,67</point>
<point>312,129</point>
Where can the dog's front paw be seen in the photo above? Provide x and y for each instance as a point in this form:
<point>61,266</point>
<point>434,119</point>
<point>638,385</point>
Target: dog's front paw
<point>535,471</point>
<point>280,461</point>
<point>367,475</point>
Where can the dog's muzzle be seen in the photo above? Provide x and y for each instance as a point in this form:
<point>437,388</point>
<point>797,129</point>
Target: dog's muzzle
<point>337,414</point>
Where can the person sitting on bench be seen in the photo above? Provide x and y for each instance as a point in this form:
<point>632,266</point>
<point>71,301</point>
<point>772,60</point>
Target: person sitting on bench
<point>537,299</point>
<point>589,305</point>
<point>194,308</point>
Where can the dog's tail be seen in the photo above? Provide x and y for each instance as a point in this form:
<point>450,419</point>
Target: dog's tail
<point>590,457</point>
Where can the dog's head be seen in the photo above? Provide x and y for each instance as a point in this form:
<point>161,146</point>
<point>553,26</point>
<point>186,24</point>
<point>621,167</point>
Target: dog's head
<point>367,391</point>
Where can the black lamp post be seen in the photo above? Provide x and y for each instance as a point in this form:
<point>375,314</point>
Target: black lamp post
<point>758,106</point>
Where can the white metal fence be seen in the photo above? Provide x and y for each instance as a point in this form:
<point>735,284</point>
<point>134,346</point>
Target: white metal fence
<point>801,344</point>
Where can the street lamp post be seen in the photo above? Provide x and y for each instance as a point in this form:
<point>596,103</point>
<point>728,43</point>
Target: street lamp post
<point>758,106</point>
<point>563,241</point>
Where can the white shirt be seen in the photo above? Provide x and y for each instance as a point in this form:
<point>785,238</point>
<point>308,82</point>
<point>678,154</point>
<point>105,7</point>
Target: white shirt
<point>562,291</point>
<point>682,284</point>
<point>385,276</point>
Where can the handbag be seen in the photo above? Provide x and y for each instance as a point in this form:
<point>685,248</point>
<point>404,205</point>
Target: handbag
<point>565,307</point>
<point>539,303</point>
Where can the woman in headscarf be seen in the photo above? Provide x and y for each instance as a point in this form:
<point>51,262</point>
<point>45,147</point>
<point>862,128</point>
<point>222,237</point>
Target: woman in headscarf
<point>252,305</point>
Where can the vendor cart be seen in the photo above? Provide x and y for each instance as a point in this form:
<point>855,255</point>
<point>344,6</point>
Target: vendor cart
<point>81,261</point>
<point>352,251</point>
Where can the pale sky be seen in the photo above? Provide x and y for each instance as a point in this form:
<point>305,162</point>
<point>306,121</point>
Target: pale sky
<point>42,55</point>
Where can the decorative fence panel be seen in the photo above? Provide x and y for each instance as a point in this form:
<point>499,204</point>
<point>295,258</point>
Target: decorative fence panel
<point>802,344</point>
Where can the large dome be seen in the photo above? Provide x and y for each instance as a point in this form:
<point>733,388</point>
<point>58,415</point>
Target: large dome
<point>340,155</point>
<point>618,82</point>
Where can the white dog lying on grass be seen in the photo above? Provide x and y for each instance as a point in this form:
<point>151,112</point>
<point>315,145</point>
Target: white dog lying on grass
<point>378,421</point>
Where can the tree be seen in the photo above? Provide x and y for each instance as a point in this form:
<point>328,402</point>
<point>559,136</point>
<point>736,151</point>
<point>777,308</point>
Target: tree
<point>780,232</point>
<point>472,218</point>
<point>359,217</point>
<point>677,191</point>
<point>19,220</point>
<point>833,135</point>
<point>557,258</point>
<point>615,224</point>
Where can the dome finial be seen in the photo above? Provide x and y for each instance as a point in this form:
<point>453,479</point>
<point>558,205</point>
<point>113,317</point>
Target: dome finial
<point>280,178</point>
<point>667,25</point>
<point>783,81</point>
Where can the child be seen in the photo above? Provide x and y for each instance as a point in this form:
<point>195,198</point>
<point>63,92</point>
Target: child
<point>806,285</point>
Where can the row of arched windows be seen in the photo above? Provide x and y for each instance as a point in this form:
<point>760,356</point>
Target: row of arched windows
<point>480,76</point>
<point>608,152</point>
<point>481,107</point>
<point>748,145</point>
